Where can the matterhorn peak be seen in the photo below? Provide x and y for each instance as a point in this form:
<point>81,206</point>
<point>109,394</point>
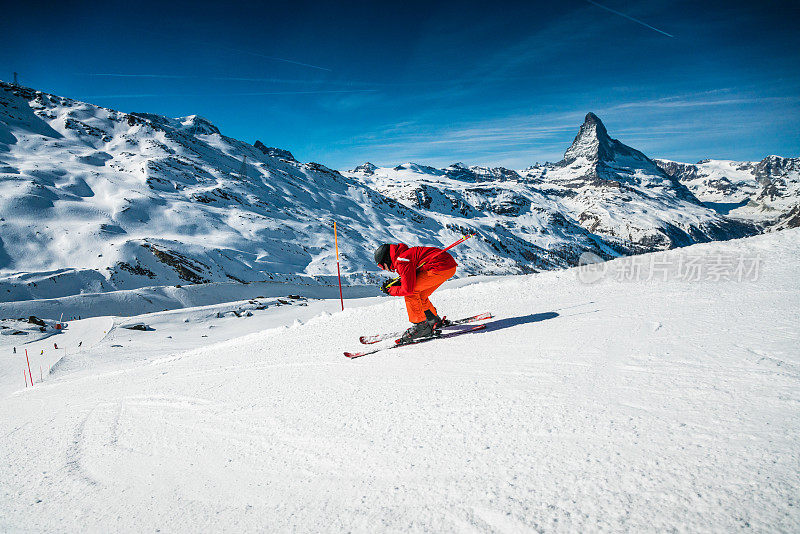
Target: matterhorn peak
<point>595,146</point>
<point>591,143</point>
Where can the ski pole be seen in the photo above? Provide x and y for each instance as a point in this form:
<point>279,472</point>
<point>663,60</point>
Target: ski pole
<point>396,281</point>
<point>464,238</point>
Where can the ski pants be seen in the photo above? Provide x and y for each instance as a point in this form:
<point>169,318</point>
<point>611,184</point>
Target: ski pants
<point>427,282</point>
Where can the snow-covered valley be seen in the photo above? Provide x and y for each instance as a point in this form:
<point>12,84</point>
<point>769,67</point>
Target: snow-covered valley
<point>653,393</point>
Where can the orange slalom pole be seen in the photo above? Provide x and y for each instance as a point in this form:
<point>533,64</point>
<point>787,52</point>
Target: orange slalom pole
<point>338,270</point>
<point>29,365</point>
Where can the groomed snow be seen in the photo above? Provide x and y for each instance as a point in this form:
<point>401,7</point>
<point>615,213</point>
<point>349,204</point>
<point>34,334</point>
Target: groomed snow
<point>614,406</point>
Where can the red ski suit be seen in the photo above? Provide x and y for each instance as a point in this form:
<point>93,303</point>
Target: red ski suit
<point>419,276</point>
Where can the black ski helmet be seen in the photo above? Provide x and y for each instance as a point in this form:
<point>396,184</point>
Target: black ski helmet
<point>382,255</point>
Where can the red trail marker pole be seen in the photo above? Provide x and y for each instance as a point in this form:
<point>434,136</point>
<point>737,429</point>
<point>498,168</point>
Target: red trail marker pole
<point>338,270</point>
<point>29,365</point>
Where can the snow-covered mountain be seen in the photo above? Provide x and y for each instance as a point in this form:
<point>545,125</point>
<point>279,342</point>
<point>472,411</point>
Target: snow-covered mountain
<point>766,192</point>
<point>604,196</point>
<point>93,199</point>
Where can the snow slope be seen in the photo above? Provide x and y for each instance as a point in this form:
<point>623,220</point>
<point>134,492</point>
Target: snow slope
<point>47,350</point>
<point>634,403</point>
<point>106,343</point>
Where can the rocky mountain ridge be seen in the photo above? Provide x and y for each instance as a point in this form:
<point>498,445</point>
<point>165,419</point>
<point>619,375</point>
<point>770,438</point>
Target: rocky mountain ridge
<point>765,192</point>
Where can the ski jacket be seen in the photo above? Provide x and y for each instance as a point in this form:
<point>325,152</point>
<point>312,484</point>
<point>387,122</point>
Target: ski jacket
<point>406,261</point>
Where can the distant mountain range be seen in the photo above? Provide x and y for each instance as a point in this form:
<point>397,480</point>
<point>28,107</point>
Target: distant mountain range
<point>93,199</point>
<point>766,192</point>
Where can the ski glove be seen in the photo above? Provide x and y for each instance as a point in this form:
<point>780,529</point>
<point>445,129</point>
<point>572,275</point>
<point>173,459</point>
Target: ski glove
<point>388,284</point>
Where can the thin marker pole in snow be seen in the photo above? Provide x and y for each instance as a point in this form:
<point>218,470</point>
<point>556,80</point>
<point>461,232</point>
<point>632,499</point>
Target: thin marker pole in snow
<point>25,377</point>
<point>29,366</point>
<point>338,270</point>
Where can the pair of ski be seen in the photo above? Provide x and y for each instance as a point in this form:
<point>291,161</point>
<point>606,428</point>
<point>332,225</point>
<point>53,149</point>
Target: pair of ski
<point>369,340</point>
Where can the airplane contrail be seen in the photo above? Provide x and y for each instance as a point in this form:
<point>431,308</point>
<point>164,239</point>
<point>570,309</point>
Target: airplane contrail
<point>278,59</point>
<point>629,18</point>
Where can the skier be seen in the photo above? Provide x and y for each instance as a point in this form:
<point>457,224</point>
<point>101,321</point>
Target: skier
<point>422,270</point>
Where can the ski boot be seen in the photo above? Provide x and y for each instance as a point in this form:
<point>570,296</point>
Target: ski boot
<point>417,331</point>
<point>436,322</point>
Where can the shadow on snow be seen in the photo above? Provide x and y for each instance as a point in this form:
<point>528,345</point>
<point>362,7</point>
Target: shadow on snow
<point>516,321</point>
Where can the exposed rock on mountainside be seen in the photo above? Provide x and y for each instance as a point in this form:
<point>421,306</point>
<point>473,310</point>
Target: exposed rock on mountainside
<point>602,161</point>
<point>275,152</point>
<point>365,168</point>
<point>594,145</point>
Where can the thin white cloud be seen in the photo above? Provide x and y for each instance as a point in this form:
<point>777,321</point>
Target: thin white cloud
<point>249,52</point>
<point>448,84</point>
<point>256,93</point>
<point>685,102</point>
<point>116,75</point>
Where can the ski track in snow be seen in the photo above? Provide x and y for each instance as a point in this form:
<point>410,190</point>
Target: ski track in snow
<point>622,406</point>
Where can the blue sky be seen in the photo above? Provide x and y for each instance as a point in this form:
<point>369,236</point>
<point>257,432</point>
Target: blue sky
<point>489,83</point>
